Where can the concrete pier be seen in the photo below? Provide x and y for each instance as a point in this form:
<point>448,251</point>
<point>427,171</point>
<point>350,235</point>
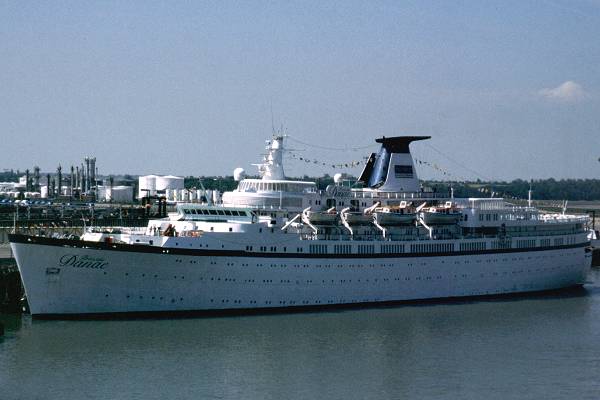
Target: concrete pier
<point>5,251</point>
<point>11,288</point>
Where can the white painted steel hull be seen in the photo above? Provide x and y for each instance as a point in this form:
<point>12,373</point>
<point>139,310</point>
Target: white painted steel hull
<point>129,281</point>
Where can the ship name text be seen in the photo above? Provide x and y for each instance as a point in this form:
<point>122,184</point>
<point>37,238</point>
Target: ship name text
<point>76,261</point>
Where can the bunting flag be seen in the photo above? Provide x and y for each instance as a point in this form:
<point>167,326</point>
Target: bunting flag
<point>438,169</point>
<point>350,164</point>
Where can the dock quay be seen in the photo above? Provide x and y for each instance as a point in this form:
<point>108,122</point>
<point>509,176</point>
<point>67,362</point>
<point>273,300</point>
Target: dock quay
<point>11,288</point>
<point>70,218</point>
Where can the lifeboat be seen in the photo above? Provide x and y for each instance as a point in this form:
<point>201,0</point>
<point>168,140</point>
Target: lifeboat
<point>320,218</point>
<point>394,218</point>
<point>403,214</point>
<point>358,218</point>
<point>446,215</point>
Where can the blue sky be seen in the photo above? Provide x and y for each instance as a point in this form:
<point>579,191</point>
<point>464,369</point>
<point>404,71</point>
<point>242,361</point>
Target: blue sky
<point>506,89</point>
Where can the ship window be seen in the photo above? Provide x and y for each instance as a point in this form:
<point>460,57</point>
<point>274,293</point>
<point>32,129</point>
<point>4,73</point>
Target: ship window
<point>212,212</point>
<point>227,212</point>
<point>220,212</point>
<point>243,213</point>
<point>403,171</point>
<point>186,211</point>
<point>205,212</point>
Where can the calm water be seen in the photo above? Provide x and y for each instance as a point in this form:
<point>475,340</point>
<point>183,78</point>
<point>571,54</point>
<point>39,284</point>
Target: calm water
<point>528,347</point>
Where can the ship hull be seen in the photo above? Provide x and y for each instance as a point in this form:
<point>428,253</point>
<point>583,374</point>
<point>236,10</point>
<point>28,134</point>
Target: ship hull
<point>62,279</point>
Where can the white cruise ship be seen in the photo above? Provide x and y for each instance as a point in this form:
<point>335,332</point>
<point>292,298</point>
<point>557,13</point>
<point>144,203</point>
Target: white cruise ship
<point>279,243</point>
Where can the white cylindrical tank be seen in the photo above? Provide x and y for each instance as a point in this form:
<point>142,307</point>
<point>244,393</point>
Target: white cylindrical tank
<point>161,183</point>
<point>44,192</point>
<point>101,194</point>
<point>216,197</point>
<point>142,184</point>
<point>119,194</point>
<point>147,186</point>
<point>169,182</point>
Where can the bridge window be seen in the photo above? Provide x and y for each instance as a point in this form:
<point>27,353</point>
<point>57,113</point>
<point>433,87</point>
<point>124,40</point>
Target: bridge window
<point>403,171</point>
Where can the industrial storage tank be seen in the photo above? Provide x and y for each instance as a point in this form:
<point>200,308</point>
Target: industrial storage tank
<point>147,186</point>
<point>169,182</point>
<point>101,193</point>
<point>119,194</point>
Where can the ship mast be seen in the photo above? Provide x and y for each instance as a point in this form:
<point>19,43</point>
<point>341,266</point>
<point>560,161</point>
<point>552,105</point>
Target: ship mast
<point>272,166</point>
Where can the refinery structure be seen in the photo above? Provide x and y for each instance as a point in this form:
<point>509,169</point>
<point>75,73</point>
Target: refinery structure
<point>83,183</point>
<point>80,182</point>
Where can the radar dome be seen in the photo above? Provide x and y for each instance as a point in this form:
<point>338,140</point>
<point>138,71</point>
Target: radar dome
<point>337,178</point>
<point>239,174</point>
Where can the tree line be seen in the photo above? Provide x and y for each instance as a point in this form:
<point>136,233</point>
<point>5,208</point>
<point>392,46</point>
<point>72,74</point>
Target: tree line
<point>542,189</point>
